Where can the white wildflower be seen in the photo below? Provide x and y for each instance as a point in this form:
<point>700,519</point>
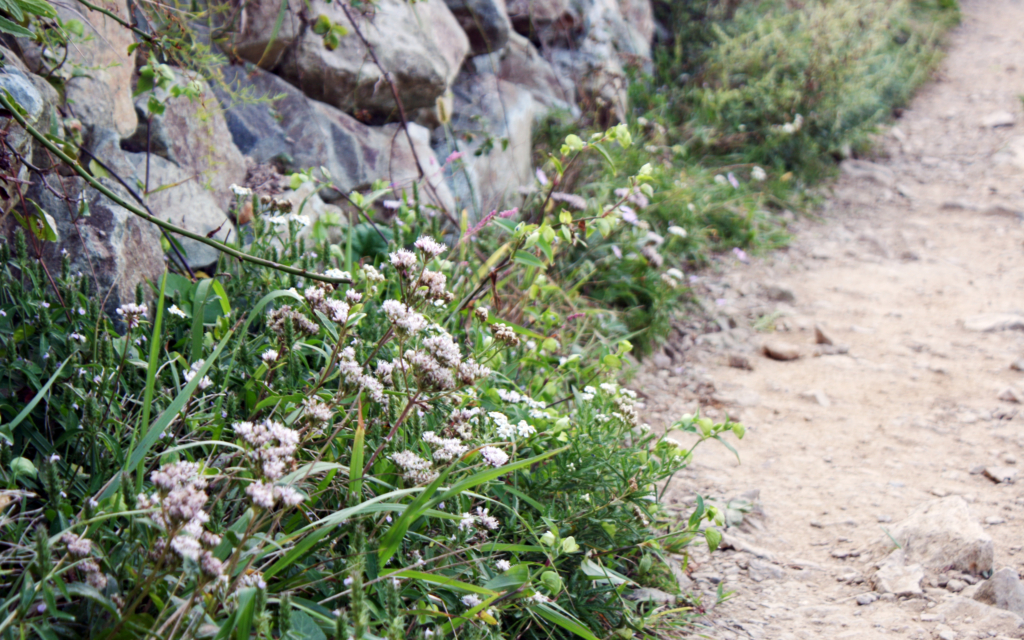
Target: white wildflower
<point>269,356</point>
<point>403,259</point>
<point>429,246</point>
<point>758,174</point>
<point>175,311</point>
<point>471,600</point>
<point>240,191</point>
<point>494,456</point>
<point>502,565</point>
<point>677,231</point>
<point>371,274</point>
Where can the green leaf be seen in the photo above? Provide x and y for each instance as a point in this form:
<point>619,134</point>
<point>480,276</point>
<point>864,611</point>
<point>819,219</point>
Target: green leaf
<point>530,260</point>
<point>304,628</point>
<point>85,590</point>
<point>445,581</point>
<point>198,311</point>
<point>599,572</point>
<point>713,538</point>
<point>15,29</point>
<point>605,155</point>
<point>37,7</point>
<point>514,578</point>
<point>553,613</point>
<point>23,467</point>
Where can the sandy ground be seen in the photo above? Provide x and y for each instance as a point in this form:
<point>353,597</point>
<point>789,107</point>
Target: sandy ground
<point>927,235</point>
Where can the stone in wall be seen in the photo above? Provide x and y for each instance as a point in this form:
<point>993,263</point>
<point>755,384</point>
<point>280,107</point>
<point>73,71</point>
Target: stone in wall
<point>298,133</point>
<point>99,91</point>
<point>112,245</point>
<point>486,23</point>
<point>499,115</point>
<point>521,64</point>
<point>420,45</point>
<point>193,134</point>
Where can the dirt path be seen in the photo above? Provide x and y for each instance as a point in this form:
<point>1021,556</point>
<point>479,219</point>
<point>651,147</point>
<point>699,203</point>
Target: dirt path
<point>926,236</point>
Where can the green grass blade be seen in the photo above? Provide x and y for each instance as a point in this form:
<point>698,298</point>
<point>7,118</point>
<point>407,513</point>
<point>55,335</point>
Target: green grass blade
<point>558,616</point>
<point>39,396</point>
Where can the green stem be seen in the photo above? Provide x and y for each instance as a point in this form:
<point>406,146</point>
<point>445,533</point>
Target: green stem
<point>7,102</point>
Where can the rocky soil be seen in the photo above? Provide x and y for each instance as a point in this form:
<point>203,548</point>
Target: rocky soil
<point>878,365</point>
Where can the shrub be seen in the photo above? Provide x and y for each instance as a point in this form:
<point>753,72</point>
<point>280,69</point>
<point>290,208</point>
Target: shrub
<point>265,455</point>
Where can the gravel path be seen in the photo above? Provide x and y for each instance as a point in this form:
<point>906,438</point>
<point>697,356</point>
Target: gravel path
<point>915,273</point>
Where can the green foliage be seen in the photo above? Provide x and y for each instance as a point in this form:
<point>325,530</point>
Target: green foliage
<point>259,456</point>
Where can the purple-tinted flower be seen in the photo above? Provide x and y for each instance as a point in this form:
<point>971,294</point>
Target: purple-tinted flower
<point>541,177</point>
<point>508,213</point>
<point>721,302</point>
<point>629,215</point>
<point>733,181</point>
<point>452,157</point>
<point>741,255</point>
<point>617,251</point>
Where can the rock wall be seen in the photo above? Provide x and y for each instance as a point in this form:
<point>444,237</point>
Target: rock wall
<point>313,88</point>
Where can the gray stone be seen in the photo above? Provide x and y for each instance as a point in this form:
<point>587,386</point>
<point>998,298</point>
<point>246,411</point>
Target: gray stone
<point>740,361</point>
<point>1010,394</point>
<point>19,83</point>
<point>1003,590</point>
<point>100,95</point>
<point>421,46</point>
<point>185,203</point>
<point>499,117</point>
<point>994,520</point>
<point>983,616</point>
<point>298,133</point>
<point>895,576</point>
<point>778,350</point>
<point>956,586</point>
<point>866,599</point>
<point>1018,364</point>
<point>527,15</point>
<point>596,71</point>
<point>817,396</point>
<point>1001,475</point>
<point>779,293</point>
<point>759,571</point>
<point>113,246</point>
<point>941,534</point>
<point>521,64</point>
<point>998,119</point>
<point>193,135</point>
<point>864,170</point>
<point>486,22</point>
<point>989,322</point>
<point>655,596</point>
<point>821,337</point>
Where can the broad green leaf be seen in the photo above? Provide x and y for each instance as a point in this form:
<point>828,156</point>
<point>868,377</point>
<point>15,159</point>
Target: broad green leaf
<point>601,573</point>
<point>530,260</point>
<point>15,29</point>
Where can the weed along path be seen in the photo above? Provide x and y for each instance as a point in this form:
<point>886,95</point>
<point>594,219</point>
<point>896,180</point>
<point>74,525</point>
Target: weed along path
<point>900,415</point>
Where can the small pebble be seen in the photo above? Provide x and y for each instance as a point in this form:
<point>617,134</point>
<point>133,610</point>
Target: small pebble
<point>993,520</point>
<point>866,599</point>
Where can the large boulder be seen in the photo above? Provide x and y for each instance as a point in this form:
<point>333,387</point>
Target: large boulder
<point>300,133</point>
<point>100,91</point>
<point>600,81</point>
<point>1003,590</point>
<point>942,535</point>
<point>113,246</point>
<point>420,45</point>
<point>496,116</point>
<point>521,64</point>
<point>970,614</point>
<point>16,82</point>
<point>895,576</point>
<point>528,15</point>
<point>193,134</point>
<point>484,21</point>
<point>175,196</point>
